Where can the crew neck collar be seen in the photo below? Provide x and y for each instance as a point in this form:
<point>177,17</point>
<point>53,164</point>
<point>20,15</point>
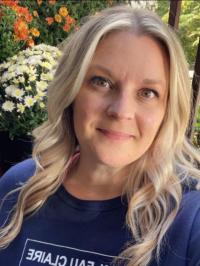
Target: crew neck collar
<point>91,205</point>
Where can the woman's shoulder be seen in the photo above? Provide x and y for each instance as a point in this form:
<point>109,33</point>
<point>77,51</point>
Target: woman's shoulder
<point>190,203</point>
<point>183,237</point>
<point>13,179</point>
<point>16,176</point>
<point>191,196</point>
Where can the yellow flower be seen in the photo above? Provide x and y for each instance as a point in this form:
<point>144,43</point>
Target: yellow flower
<point>20,108</point>
<point>42,105</point>
<point>58,18</point>
<point>35,32</point>
<point>8,106</point>
<point>63,11</point>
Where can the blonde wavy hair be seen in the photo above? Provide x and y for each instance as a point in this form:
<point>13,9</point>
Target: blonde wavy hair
<point>155,179</point>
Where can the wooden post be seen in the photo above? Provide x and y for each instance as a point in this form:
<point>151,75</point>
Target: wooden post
<point>174,13</point>
<point>195,88</point>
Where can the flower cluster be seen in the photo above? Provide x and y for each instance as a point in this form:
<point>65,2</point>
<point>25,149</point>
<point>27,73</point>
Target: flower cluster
<point>63,17</point>
<point>21,27</point>
<point>27,23</point>
<point>23,87</point>
<point>60,16</point>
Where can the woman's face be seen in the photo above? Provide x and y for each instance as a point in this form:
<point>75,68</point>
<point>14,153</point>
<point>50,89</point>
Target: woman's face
<point>122,101</point>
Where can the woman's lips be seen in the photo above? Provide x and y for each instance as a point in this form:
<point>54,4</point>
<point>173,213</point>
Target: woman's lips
<point>115,135</point>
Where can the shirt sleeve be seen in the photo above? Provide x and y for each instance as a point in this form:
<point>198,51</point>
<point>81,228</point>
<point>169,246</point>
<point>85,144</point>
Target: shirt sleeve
<point>194,241</point>
<point>14,178</point>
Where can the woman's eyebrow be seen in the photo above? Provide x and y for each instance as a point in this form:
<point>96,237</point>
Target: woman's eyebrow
<point>153,81</point>
<point>102,68</point>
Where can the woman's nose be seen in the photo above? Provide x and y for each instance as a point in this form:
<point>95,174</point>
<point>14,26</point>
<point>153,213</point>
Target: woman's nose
<point>122,107</point>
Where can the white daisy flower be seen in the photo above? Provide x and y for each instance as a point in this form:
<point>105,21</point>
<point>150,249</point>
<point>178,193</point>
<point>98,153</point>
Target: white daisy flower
<point>41,85</point>
<point>8,106</point>
<point>47,76</point>
<point>29,101</point>
<point>45,65</point>
<point>32,77</point>
<point>34,60</point>
<point>9,90</point>
<point>28,88</point>
<point>17,93</point>
<point>21,79</point>
<point>20,108</point>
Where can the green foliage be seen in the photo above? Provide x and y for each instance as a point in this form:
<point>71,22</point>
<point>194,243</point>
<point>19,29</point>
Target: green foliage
<point>189,29</point>
<point>162,7</point>
<point>189,25</point>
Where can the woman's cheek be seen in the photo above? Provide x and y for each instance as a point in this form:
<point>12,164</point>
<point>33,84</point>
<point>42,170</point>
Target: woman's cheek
<point>151,121</point>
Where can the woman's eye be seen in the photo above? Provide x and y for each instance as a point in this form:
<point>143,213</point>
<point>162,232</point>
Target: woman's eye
<point>101,82</point>
<point>149,93</point>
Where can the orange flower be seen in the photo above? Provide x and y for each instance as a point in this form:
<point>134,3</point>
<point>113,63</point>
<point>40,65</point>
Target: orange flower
<point>35,14</point>
<point>39,2</point>
<point>21,29</point>
<point>28,17</point>
<point>30,42</point>
<point>52,2</point>
<point>66,27</point>
<point>23,12</point>
<point>35,32</point>
<point>10,3</point>
<point>49,20</point>
<point>63,11</point>
<point>70,20</point>
<point>58,18</point>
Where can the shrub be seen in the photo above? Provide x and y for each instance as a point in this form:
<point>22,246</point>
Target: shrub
<point>23,87</point>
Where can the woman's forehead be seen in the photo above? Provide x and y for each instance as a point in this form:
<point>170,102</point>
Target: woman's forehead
<point>125,53</point>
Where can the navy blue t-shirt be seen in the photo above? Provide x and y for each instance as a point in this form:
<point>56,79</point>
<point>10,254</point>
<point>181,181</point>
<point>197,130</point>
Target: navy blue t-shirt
<point>68,231</point>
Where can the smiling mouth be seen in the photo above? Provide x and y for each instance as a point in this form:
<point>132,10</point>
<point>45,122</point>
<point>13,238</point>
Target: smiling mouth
<point>115,135</point>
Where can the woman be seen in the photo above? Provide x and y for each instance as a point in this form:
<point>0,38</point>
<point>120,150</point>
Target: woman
<point>111,177</point>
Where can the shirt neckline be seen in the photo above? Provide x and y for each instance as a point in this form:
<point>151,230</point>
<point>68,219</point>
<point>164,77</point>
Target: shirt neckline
<point>91,205</point>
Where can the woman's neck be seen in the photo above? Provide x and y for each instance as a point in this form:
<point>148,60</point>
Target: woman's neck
<point>90,181</point>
